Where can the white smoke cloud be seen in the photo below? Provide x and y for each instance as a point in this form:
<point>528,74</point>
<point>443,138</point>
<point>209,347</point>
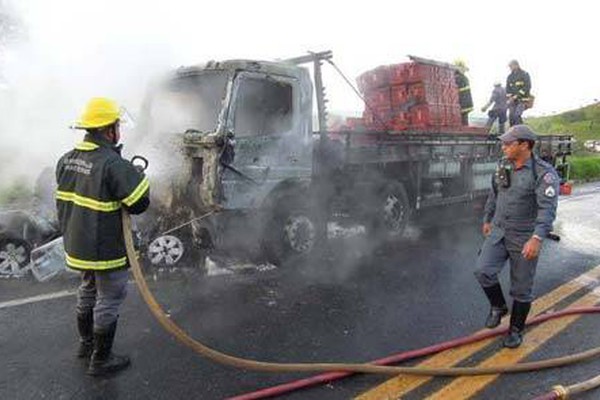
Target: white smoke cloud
<point>79,49</point>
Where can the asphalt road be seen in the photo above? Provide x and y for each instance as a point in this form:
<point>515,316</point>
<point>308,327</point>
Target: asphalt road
<point>356,304</point>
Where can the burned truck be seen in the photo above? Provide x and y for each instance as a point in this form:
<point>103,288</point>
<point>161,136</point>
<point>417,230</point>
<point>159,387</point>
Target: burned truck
<point>255,174</point>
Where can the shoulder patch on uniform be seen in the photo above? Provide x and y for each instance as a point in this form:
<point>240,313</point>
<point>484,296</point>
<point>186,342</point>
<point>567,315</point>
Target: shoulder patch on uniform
<point>550,192</point>
<point>549,178</point>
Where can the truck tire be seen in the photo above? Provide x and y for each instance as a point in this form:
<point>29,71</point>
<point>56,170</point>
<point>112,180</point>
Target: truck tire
<point>291,232</point>
<point>389,211</point>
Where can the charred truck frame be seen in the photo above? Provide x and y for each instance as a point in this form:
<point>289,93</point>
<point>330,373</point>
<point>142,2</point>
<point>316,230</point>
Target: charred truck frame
<point>274,182</point>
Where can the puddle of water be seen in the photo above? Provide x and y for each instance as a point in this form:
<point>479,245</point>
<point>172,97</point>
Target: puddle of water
<point>213,268</point>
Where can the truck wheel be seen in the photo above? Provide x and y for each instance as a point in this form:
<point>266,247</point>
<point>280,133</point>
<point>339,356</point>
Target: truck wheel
<point>15,255</point>
<point>391,212</point>
<point>290,234</point>
<point>165,251</point>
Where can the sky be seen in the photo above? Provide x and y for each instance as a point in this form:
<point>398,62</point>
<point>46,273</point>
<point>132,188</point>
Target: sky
<point>78,49</point>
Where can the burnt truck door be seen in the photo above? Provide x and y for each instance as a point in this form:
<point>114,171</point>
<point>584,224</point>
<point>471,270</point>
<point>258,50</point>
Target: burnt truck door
<point>269,123</point>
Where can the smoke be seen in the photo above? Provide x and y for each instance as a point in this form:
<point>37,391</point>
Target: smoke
<point>51,72</point>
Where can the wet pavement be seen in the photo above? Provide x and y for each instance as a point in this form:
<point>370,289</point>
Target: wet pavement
<point>357,303</point>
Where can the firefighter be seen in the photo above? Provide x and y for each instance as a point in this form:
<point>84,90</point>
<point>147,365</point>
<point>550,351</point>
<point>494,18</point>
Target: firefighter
<point>519,213</point>
<point>94,183</point>
<point>464,91</point>
<point>498,111</point>
<point>518,89</point>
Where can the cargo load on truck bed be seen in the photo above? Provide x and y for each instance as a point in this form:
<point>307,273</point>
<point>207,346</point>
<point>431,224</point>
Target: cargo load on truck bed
<point>420,95</point>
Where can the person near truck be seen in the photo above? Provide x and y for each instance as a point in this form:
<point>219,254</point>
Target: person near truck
<point>519,213</point>
<point>94,184</point>
<point>518,90</point>
<point>464,91</point>
<point>498,111</point>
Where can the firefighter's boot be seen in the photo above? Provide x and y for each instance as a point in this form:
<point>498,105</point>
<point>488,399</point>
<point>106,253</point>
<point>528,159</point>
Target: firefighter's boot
<point>104,361</point>
<point>517,324</point>
<point>85,327</point>
<point>498,307</point>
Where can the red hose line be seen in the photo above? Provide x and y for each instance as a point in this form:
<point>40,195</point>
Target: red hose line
<point>406,356</point>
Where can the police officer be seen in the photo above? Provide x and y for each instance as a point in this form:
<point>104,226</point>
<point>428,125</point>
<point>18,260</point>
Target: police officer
<point>519,213</point>
<point>498,111</point>
<point>518,89</point>
<point>464,90</point>
<point>94,183</point>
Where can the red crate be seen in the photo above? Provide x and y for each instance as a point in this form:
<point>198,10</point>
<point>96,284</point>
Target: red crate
<point>419,116</point>
<point>411,72</point>
<point>355,123</point>
<point>427,92</point>
<point>453,117</point>
<point>425,115</point>
<point>415,72</point>
<point>398,73</point>
<point>378,117</point>
<point>417,92</point>
<point>400,121</point>
<point>380,98</point>
<point>376,78</point>
<point>399,95</point>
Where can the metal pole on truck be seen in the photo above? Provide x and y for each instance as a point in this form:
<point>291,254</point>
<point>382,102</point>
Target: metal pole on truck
<point>317,59</point>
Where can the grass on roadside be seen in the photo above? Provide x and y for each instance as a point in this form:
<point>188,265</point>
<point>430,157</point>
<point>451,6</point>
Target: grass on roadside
<point>585,168</point>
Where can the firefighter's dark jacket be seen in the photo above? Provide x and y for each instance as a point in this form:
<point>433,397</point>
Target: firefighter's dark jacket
<point>518,84</point>
<point>94,182</point>
<point>464,92</point>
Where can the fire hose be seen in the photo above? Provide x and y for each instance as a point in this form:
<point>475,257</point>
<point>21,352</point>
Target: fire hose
<point>226,359</point>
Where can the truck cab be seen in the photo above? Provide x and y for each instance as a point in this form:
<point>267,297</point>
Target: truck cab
<point>244,130</point>
<point>247,127</point>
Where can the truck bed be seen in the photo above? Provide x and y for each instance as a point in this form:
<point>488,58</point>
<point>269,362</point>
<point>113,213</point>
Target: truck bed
<point>433,145</point>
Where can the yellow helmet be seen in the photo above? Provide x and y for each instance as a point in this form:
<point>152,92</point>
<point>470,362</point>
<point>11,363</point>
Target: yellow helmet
<point>461,64</point>
<point>99,112</point>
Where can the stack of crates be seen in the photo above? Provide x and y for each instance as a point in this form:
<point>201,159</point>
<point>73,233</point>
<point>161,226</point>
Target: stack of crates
<point>410,96</point>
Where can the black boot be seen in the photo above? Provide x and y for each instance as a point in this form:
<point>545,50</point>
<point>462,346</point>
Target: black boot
<point>103,360</point>
<point>517,324</point>
<point>85,327</point>
<point>498,305</point>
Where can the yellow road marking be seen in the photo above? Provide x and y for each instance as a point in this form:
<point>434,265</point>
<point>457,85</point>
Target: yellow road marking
<point>464,388</point>
<point>396,387</point>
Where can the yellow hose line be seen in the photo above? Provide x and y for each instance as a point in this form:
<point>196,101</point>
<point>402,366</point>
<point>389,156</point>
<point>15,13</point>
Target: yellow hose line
<point>238,362</point>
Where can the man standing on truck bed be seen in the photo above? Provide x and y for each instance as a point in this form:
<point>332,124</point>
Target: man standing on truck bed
<point>518,89</point>
<point>94,183</point>
<point>498,111</point>
<point>464,91</point>
<point>519,213</point>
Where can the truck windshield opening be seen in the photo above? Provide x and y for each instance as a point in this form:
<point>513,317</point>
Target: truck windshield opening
<point>264,107</point>
<point>190,102</point>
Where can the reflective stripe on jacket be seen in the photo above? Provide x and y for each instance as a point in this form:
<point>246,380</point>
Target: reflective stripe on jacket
<point>94,183</point>
<point>464,92</point>
<point>518,84</point>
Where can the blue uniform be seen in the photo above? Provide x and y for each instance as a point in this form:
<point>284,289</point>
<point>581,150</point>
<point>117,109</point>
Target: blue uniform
<point>525,208</point>
<point>498,111</point>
